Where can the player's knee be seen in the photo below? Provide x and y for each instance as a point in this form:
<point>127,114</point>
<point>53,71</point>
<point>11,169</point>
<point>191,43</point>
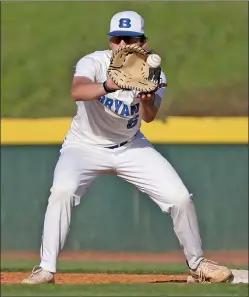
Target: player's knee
<point>60,194</point>
<point>183,199</point>
<point>180,198</point>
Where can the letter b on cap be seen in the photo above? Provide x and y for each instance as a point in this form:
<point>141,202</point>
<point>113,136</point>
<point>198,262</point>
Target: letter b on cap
<point>124,23</point>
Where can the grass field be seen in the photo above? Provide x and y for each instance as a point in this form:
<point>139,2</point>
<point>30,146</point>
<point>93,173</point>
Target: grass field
<point>97,267</point>
<point>66,266</point>
<point>127,290</point>
<point>203,45</point>
<point>131,288</point>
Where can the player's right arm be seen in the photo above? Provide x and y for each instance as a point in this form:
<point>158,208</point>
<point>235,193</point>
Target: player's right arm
<point>84,89</point>
<point>84,86</point>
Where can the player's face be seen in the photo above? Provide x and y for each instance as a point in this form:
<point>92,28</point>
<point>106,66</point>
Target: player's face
<point>119,41</point>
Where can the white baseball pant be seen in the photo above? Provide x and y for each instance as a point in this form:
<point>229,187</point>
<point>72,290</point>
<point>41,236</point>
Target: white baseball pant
<point>136,162</point>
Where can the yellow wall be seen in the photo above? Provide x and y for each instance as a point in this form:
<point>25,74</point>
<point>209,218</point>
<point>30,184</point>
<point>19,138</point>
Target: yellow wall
<point>174,130</point>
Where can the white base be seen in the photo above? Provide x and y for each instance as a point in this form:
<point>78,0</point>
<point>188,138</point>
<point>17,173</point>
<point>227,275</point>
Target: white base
<point>240,276</point>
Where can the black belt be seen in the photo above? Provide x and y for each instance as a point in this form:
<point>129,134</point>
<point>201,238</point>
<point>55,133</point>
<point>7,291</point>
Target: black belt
<point>119,145</point>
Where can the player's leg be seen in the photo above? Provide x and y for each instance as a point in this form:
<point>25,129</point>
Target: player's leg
<point>72,175</point>
<point>143,166</point>
<point>74,172</point>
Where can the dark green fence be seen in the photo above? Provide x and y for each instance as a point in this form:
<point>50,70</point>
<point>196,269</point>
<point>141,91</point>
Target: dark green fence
<point>114,216</point>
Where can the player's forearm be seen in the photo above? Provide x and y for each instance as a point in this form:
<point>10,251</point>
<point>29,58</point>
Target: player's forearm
<point>148,111</point>
<point>88,92</point>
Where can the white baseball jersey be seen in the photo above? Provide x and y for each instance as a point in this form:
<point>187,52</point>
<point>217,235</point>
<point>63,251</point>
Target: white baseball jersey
<point>111,119</point>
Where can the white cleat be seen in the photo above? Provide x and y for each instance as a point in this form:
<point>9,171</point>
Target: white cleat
<point>210,272</point>
<point>239,277</point>
<point>39,276</point>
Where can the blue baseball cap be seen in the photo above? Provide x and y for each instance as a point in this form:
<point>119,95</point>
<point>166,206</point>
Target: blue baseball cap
<point>126,23</point>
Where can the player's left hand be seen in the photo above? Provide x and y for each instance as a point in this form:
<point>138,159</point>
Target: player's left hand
<point>130,70</point>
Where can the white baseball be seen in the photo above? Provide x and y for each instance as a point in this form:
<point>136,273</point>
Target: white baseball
<point>154,60</point>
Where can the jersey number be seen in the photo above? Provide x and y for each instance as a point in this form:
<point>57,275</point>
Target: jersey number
<point>132,122</point>
<point>124,23</point>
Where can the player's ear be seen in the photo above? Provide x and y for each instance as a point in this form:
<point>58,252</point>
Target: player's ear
<point>145,45</point>
<point>110,45</point>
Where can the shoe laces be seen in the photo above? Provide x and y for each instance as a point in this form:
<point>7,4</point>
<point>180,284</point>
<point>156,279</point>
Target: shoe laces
<point>207,265</point>
<point>35,270</point>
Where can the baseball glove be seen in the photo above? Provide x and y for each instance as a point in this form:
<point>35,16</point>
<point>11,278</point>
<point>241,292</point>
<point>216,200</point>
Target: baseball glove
<point>129,70</point>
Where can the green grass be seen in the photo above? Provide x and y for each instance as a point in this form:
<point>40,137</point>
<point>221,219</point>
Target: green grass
<point>126,290</point>
<point>102,267</point>
<point>98,267</point>
<point>203,45</point>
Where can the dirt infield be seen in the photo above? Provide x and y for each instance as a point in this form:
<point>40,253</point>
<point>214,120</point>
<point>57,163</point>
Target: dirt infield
<point>97,278</point>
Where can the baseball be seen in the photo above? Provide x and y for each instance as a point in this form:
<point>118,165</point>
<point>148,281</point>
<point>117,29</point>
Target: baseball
<point>154,60</point>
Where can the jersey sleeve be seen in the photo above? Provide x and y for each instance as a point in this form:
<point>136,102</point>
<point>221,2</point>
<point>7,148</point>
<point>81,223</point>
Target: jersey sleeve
<point>88,67</point>
<point>160,92</point>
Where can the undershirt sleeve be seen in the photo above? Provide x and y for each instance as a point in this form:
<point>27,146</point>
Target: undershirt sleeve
<point>160,92</point>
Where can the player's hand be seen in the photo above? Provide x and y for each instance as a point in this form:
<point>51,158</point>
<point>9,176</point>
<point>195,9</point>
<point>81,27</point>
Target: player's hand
<point>111,84</point>
<point>150,95</point>
<point>146,96</point>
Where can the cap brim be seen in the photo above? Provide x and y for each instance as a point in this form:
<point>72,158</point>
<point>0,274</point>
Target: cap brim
<point>125,33</point>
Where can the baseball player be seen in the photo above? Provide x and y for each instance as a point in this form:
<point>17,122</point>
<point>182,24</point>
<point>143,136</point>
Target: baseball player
<point>105,137</point>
